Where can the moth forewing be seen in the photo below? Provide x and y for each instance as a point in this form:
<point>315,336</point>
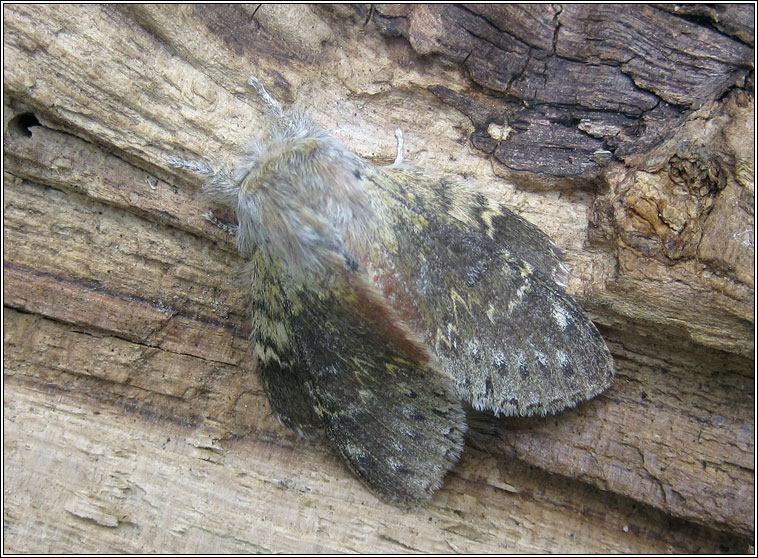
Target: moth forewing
<point>509,335</point>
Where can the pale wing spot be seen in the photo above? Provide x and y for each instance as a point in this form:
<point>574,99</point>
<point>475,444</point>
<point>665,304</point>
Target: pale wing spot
<point>562,357</point>
<point>412,434</point>
<point>449,339</point>
<point>526,269</point>
<point>521,358</point>
<point>491,313</point>
<point>413,413</point>
<point>365,395</point>
<point>271,329</point>
<point>492,211</point>
<point>521,291</point>
<point>522,364</point>
<point>398,467</point>
<point>455,298</point>
<point>472,347</point>
<point>395,445</point>
<point>543,363</point>
<point>560,317</point>
<point>565,363</point>
<point>265,354</point>
<point>499,360</point>
<point>357,453</point>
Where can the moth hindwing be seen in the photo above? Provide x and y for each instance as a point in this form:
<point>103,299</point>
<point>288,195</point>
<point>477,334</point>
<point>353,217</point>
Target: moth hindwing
<point>381,299</point>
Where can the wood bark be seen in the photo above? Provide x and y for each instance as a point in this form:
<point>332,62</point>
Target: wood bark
<point>134,419</point>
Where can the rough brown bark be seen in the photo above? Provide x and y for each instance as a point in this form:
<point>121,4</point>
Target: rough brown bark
<point>133,417</point>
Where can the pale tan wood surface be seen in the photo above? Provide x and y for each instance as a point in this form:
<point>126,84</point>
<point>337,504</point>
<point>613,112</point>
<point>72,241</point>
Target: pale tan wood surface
<point>133,416</point>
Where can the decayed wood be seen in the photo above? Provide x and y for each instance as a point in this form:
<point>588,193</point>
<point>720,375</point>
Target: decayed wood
<point>134,419</point>
<point>576,80</point>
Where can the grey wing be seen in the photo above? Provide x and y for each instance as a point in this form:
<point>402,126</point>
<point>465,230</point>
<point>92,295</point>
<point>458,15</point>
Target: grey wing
<point>522,239</point>
<point>513,340</point>
<point>532,349</point>
<point>283,368</point>
<point>396,420</point>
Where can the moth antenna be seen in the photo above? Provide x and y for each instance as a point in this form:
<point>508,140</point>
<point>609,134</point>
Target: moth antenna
<point>219,183</point>
<point>273,105</point>
<point>400,157</point>
<point>202,167</point>
<point>228,228</point>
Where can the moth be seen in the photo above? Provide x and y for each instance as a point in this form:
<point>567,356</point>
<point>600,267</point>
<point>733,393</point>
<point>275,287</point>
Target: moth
<point>382,300</point>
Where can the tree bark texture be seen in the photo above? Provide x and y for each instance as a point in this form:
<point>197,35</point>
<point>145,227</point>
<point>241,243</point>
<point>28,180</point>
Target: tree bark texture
<point>134,419</point>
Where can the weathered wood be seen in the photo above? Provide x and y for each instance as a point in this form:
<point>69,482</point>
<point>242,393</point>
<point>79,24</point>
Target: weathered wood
<point>134,419</point>
<point>132,448</point>
<point>579,84</point>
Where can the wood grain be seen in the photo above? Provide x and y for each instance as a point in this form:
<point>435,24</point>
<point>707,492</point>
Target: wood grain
<point>134,419</point>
